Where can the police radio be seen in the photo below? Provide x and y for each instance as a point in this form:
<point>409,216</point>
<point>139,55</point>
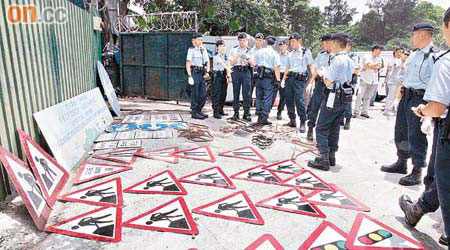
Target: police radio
<point>331,98</point>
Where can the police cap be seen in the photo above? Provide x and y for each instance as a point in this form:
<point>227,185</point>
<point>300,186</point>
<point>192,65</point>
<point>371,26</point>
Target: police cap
<point>325,37</point>
<point>295,35</point>
<point>283,42</point>
<point>220,42</point>
<point>196,35</point>
<point>242,35</point>
<point>259,36</point>
<point>423,26</point>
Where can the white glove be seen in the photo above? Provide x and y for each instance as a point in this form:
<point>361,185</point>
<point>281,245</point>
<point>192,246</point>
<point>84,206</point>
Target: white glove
<point>309,89</point>
<point>191,80</point>
<point>427,125</point>
<point>395,105</point>
<point>283,83</point>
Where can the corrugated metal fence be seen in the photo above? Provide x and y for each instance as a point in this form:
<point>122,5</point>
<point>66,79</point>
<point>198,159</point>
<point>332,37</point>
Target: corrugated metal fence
<point>41,65</point>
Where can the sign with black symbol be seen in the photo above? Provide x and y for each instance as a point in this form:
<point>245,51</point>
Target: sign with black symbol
<point>370,234</point>
<point>101,194</point>
<point>336,198</point>
<point>27,186</point>
<point>290,201</point>
<point>125,156</point>
<point>102,224</point>
<point>306,180</point>
<point>214,177</point>
<point>287,167</point>
<point>265,242</point>
<point>258,174</point>
<point>165,154</point>
<point>199,154</point>
<point>51,176</point>
<point>326,236</point>
<point>237,207</point>
<point>172,216</point>
<point>91,171</point>
<point>244,153</point>
<point>164,182</point>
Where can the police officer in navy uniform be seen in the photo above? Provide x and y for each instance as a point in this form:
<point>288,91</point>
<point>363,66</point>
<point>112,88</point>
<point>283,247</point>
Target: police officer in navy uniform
<point>241,57</point>
<point>409,139</point>
<point>222,75</point>
<point>437,95</point>
<point>257,48</point>
<point>356,60</point>
<point>296,76</point>
<point>337,80</point>
<point>284,56</point>
<point>197,67</point>
<point>322,62</point>
<point>267,63</point>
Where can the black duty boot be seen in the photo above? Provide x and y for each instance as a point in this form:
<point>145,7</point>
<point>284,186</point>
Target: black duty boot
<point>302,127</point>
<point>222,113</point>
<point>400,167</point>
<point>291,123</point>
<point>196,115</point>
<point>235,116</point>
<point>443,240</point>
<point>259,119</point>
<point>279,117</point>
<point>217,115</point>
<point>247,117</point>
<point>412,179</point>
<point>265,120</point>
<point>322,162</point>
<point>203,114</point>
<point>347,124</point>
<point>332,159</point>
<point>310,135</point>
<point>342,122</point>
<point>413,212</point>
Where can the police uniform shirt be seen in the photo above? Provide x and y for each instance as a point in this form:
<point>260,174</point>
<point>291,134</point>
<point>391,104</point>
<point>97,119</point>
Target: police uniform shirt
<point>299,60</point>
<point>257,55</point>
<point>323,61</point>
<point>370,76</point>
<point>268,58</point>
<point>241,51</point>
<point>438,89</point>
<point>217,59</point>
<point>341,69</point>
<point>284,61</point>
<point>198,56</point>
<point>418,69</point>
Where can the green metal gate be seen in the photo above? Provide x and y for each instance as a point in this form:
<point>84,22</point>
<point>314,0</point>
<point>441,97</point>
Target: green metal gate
<point>153,64</point>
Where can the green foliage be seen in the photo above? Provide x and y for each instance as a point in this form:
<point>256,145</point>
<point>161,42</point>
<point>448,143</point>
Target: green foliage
<point>338,13</point>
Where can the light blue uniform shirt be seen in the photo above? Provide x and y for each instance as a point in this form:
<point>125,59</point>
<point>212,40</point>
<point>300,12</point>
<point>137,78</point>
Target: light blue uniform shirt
<point>268,58</point>
<point>284,61</point>
<point>241,51</point>
<point>217,59</point>
<point>340,70</point>
<point>418,70</point>
<point>438,89</point>
<point>299,60</point>
<point>323,60</point>
<point>197,57</point>
<point>257,54</point>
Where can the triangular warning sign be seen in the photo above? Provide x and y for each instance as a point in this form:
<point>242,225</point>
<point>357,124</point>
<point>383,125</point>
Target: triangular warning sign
<point>370,234</point>
<point>290,201</point>
<point>335,198</point>
<point>101,194</point>
<point>91,171</point>
<point>236,206</point>
<point>51,176</point>
<point>326,236</point>
<point>244,153</point>
<point>104,224</point>
<point>306,180</point>
<point>172,216</point>
<point>213,176</point>
<point>164,154</point>
<point>265,242</point>
<point>287,167</point>
<point>258,174</point>
<point>199,154</point>
<point>125,156</point>
<point>164,182</point>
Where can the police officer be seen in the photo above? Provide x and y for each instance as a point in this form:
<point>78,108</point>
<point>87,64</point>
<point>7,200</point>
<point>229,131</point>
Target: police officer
<point>348,111</point>
<point>295,80</point>
<point>222,75</point>
<point>241,56</point>
<point>267,63</point>
<point>409,139</point>
<point>284,55</point>
<point>257,48</point>
<point>322,62</point>
<point>437,95</point>
<point>337,80</point>
<point>197,67</point>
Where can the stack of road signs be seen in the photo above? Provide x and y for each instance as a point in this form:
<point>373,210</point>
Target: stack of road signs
<point>118,144</point>
<point>124,156</point>
<point>213,176</point>
<point>267,241</point>
<point>152,118</point>
<point>165,154</point>
<point>199,154</point>
<point>244,153</point>
<point>91,171</point>
<point>102,194</point>
<point>326,236</point>
<point>164,182</point>
<point>147,126</point>
<point>259,174</point>
<point>287,166</point>
<point>306,180</point>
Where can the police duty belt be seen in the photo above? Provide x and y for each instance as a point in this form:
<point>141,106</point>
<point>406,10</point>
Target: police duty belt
<point>197,133</point>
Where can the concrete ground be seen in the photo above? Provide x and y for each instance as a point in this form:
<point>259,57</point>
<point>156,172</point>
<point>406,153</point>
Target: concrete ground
<point>363,149</point>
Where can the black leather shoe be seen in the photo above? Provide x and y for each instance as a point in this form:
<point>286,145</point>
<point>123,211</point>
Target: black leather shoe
<point>203,114</point>
<point>302,127</point>
<point>310,135</point>
<point>322,162</point>
<point>443,240</point>
<point>332,159</point>
<point>235,116</point>
<point>412,179</point>
<point>347,124</point>
<point>222,113</point>
<point>291,124</point>
<point>217,115</point>
<point>247,117</point>
<point>197,116</point>
<point>365,115</point>
<point>265,120</point>
<point>354,115</point>
<point>413,212</point>
<point>342,122</point>
<point>279,117</point>
<point>399,167</point>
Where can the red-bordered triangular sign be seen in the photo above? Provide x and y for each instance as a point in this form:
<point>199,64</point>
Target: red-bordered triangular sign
<point>164,154</point>
<point>336,198</point>
<point>244,153</point>
<point>101,194</point>
<point>236,206</point>
<point>370,234</point>
<point>164,182</point>
<point>267,241</point>
<point>28,188</point>
<point>91,171</point>
<point>213,176</point>
<point>172,216</point>
<point>125,156</point>
<point>51,176</point>
<point>103,224</point>
<point>290,201</point>
<point>199,154</point>
<point>326,236</point>
<point>287,167</point>
<point>307,180</point>
<point>258,174</point>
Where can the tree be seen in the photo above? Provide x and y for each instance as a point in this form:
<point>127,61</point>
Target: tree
<point>338,13</point>
<point>427,12</point>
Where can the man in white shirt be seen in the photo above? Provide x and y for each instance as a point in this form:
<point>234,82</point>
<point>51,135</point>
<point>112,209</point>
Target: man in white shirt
<point>394,79</point>
<point>371,66</point>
